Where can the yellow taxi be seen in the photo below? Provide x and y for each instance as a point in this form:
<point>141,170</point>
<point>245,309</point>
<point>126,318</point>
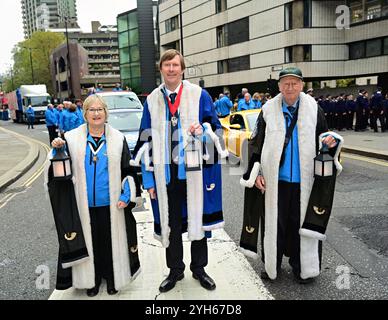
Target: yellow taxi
<point>238,127</point>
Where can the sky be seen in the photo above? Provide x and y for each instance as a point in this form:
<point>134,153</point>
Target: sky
<point>11,25</point>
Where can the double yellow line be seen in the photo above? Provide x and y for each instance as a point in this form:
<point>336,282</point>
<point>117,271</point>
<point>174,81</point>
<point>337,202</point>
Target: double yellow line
<point>382,163</point>
<point>31,180</point>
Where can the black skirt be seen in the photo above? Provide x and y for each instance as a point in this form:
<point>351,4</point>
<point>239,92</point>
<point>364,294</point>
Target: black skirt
<point>102,242</point>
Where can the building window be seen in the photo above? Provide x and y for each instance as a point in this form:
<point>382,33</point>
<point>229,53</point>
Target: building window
<point>307,53</point>
<point>373,9</point>
<point>238,31</point>
<point>172,45</point>
<point>122,23</point>
<point>288,16</point>
<point>221,5</point>
<point>356,11</point>
<point>222,36</point>
<point>172,24</point>
<point>307,14</point>
<point>234,64</point>
<point>357,50</point>
<point>288,55</point>
<point>222,66</point>
<point>373,48</point>
<point>385,46</point>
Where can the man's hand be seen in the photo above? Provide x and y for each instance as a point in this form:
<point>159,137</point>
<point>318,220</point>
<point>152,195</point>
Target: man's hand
<point>122,205</point>
<point>152,193</point>
<point>196,129</point>
<point>329,141</point>
<point>260,183</point>
<point>58,143</point>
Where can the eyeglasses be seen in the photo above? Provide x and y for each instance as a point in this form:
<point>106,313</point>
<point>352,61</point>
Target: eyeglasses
<point>99,110</point>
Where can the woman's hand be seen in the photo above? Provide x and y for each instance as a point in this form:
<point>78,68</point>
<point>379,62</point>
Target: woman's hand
<point>122,205</point>
<point>58,143</point>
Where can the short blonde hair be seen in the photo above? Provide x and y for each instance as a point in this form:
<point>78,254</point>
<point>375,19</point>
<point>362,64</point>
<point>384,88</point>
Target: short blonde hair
<point>92,99</point>
<point>169,55</point>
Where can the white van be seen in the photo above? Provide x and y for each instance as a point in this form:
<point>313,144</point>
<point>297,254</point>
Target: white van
<point>121,100</point>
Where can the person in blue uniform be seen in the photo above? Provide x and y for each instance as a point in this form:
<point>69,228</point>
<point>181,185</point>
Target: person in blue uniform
<point>377,111</point>
<point>30,113</point>
<point>176,115</point>
<point>224,105</point>
<point>51,122</point>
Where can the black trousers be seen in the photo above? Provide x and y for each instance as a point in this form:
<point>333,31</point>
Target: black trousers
<point>102,243</point>
<point>52,132</point>
<point>176,192</point>
<point>288,239</point>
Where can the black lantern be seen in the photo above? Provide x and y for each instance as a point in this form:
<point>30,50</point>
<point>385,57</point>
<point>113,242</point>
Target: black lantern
<point>61,164</point>
<point>193,155</point>
<point>323,164</point>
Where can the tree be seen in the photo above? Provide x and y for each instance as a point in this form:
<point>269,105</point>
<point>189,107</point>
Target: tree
<point>42,45</point>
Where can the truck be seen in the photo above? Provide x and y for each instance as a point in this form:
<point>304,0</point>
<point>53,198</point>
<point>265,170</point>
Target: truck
<point>21,98</point>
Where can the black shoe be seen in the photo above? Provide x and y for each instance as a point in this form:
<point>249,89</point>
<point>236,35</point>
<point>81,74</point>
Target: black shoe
<point>303,281</point>
<point>205,281</point>
<point>110,287</point>
<point>93,291</point>
<point>264,276</point>
<point>170,282</point>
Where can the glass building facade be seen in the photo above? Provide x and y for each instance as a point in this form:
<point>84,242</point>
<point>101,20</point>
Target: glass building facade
<point>138,39</point>
<point>128,37</point>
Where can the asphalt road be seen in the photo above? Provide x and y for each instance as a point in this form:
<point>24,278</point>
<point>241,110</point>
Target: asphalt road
<point>355,255</point>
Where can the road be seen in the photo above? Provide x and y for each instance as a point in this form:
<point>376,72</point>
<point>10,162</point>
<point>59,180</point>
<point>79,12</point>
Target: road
<point>355,255</point>
<point>357,237</point>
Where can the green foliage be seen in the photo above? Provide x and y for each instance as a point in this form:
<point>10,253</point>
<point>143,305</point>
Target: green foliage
<point>344,83</point>
<point>42,45</point>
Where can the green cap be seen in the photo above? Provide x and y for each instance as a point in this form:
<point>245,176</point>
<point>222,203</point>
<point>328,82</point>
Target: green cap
<point>291,72</point>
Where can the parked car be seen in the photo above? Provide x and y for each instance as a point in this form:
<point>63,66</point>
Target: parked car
<point>128,122</point>
<point>121,100</point>
<point>237,129</point>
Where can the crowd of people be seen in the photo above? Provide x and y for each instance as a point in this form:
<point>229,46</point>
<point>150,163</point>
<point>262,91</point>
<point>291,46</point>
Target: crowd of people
<point>342,112</point>
<point>63,117</point>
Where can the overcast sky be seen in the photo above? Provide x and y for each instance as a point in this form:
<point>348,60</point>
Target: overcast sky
<point>11,25</point>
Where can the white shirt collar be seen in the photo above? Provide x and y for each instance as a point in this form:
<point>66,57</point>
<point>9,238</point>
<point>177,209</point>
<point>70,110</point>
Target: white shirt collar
<point>176,90</point>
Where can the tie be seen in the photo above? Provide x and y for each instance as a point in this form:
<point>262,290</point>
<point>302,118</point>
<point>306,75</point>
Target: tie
<point>172,97</point>
<point>291,109</point>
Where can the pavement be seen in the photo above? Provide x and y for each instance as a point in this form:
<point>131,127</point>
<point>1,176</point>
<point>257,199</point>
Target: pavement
<point>234,276</point>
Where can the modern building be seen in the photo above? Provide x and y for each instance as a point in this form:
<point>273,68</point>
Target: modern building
<point>67,76</point>
<point>103,56</point>
<point>229,44</point>
<point>139,59</point>
<point>43,14</point>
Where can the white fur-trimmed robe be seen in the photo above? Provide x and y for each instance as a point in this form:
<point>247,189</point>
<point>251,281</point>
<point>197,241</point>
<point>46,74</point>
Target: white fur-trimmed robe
<point>270,159</point>
<point>83,274</point>
<point>188,113</point>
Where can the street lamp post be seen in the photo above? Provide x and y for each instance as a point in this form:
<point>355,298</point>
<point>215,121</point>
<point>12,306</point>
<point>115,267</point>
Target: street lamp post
<point>32,67</point>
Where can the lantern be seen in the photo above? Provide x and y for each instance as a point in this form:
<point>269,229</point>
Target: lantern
<point>193,155</point>
<point>61,164</point>
<point>323,164</point>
